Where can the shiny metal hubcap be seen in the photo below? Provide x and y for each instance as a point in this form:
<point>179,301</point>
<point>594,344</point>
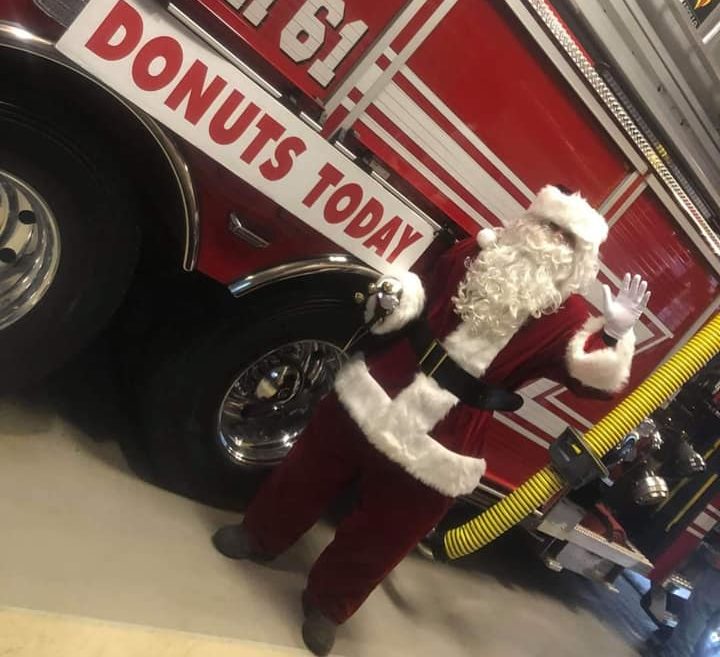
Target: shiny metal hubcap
<point>29,248</point>
<point>270,403</point>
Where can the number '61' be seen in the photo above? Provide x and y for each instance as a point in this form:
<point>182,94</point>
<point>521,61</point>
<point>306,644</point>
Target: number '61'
<point>304,35</point>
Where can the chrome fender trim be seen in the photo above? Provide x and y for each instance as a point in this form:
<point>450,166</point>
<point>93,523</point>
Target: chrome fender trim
<point>336,263</point>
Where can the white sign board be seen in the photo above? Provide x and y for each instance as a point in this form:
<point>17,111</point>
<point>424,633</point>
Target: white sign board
<point>140,51</point>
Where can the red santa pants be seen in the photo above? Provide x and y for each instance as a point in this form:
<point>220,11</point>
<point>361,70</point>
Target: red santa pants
<point>394,511</point>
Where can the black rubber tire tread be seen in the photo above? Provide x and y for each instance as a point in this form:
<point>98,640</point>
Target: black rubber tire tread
<point>97,215</point>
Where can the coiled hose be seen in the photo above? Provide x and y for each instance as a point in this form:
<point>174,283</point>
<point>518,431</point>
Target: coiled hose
<point>601,438</point>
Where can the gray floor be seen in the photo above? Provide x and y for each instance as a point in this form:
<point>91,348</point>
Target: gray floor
<point>82,535</point>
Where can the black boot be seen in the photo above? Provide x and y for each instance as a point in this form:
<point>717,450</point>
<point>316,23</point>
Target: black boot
<point>433,546</point>
<point>233,542</point>
<point>306,604</point>
<point>318,630</point>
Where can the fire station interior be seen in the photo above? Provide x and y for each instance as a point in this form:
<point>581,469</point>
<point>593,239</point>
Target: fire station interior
<point>242,425</point>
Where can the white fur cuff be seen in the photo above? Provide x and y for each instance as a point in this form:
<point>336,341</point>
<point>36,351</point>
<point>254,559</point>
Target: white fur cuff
<point>412,302</point>
<point>605,369</point>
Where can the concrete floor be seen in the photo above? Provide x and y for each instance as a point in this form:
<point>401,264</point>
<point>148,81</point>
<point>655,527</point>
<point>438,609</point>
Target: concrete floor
<point>83,536</point>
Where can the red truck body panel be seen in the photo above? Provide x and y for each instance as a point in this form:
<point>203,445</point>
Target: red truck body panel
<point>510,98</point>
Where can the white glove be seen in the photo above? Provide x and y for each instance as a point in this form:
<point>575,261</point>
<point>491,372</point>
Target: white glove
<point>383,298</point>
<point>622,312</point>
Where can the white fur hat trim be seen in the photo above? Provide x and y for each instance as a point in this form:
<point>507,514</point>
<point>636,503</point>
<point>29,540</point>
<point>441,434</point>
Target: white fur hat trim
<point>571,213</point>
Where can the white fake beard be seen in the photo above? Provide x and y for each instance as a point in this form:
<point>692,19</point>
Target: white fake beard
<point>530,271</point>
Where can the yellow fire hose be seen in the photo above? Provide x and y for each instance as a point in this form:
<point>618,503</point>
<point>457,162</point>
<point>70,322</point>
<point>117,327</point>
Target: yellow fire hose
<point>601,438</point>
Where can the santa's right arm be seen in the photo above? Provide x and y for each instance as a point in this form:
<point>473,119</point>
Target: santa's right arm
<point>599,356</point>
<point>598,367</point>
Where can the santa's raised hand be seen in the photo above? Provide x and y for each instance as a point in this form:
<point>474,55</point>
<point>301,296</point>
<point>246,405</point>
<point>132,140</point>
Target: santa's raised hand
<point>622,312</point>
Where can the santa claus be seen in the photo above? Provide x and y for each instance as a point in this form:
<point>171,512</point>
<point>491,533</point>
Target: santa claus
<point>408,422</point>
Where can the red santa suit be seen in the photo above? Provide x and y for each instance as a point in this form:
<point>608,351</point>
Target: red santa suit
<point>412,446</point>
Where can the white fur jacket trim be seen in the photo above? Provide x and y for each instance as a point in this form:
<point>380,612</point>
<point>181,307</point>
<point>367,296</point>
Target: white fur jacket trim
<point>472,352</point>
<point>399,428</point>
<point>606,369</point>
<point>412,302</point>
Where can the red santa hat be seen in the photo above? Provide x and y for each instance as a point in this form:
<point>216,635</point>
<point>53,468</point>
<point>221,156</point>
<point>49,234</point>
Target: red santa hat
<point>570,212</point>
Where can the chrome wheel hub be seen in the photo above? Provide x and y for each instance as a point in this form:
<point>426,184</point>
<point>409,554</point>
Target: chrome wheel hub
<point>270,403</point>
<point>29,248</point>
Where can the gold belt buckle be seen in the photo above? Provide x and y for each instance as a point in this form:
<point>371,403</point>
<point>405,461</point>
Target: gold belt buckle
<point>430,349</point>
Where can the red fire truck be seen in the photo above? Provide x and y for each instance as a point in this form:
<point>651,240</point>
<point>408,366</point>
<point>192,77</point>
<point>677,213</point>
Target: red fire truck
<point>288,150</point>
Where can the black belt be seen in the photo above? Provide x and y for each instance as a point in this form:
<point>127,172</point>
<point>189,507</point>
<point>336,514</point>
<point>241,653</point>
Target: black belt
<point>435,362</point>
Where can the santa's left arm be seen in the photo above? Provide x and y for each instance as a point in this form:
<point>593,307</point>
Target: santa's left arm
<point>599,356</point>
<point>394,301</point>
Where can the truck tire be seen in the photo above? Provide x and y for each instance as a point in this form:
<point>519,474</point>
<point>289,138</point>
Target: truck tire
<point>227,404</point>
<point>68,242</point>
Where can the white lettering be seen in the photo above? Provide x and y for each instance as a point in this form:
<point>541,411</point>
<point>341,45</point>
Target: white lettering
<point>304,35</point>
<point>257,10</point>
<point>323,70</point>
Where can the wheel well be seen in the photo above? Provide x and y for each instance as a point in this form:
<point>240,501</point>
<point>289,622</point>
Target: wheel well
<point>65,95</point>
<point>184,300</point>
<point>162,312</point>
